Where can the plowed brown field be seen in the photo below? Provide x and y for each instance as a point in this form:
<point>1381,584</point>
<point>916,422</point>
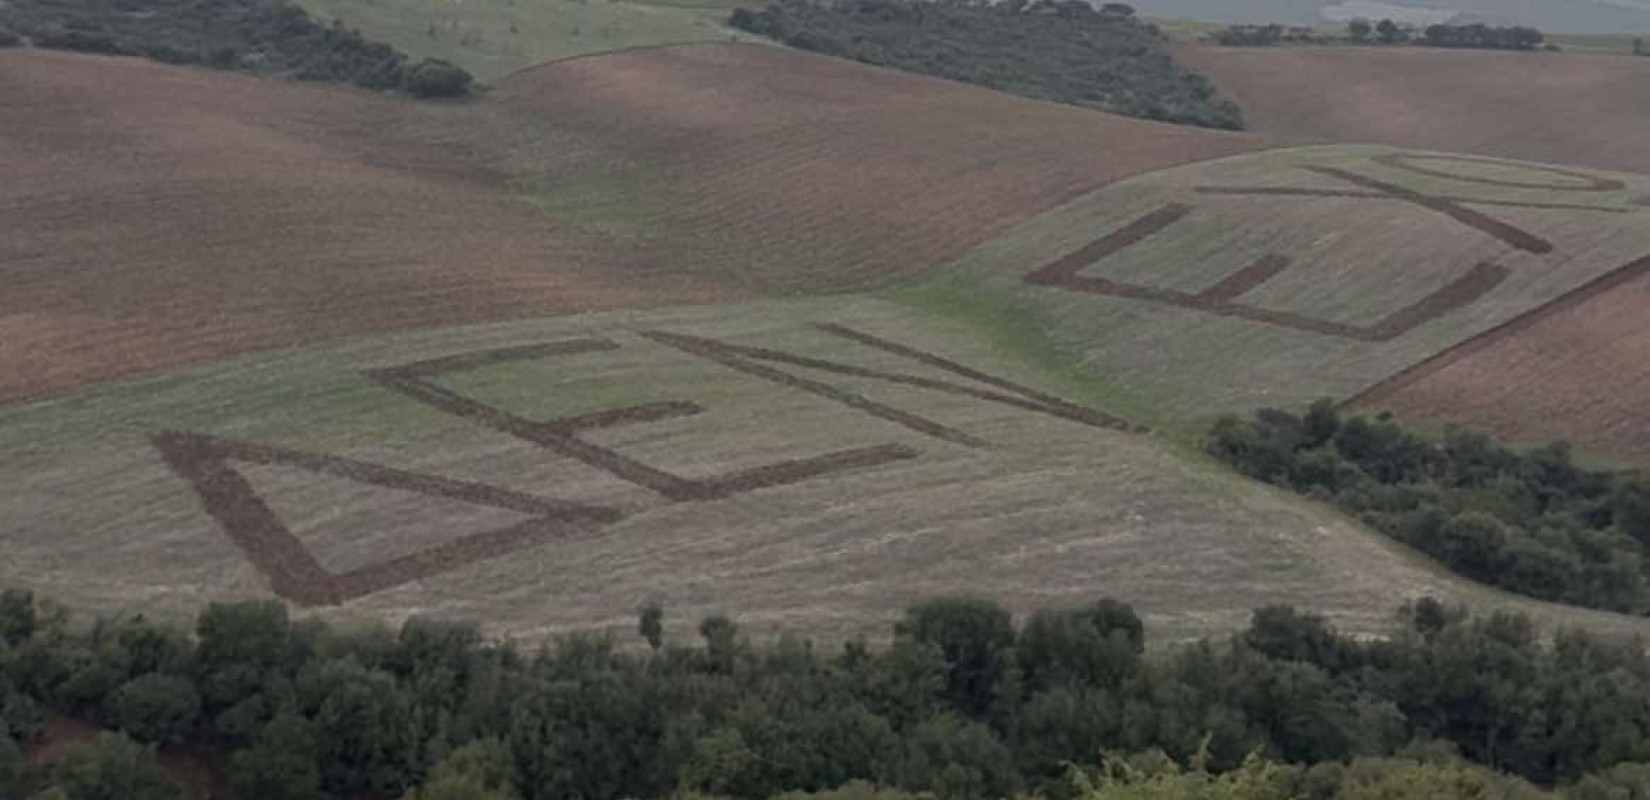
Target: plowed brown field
<point>157,216</point>
<point>1557,108</point>
<point>1572,370</point>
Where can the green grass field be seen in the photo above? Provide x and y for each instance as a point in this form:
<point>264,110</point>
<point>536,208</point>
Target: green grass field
<point>493,38</point>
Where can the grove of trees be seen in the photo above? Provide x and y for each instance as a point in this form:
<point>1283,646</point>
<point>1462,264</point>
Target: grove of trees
<point>1531,522</point>
<point>964,702</point>
<point>269,37</point>
<point>1068,51</point>
<point>1386,32</point>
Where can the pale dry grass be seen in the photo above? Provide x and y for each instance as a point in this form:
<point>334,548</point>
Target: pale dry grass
<point>1355,260</point>
<point>1050,513</point>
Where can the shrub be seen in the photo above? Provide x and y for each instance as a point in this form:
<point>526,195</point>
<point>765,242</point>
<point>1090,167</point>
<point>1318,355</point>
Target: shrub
<point>1060,50</point>
<point>9,39</point>
<point>80,41</point>
<point>433,77</point>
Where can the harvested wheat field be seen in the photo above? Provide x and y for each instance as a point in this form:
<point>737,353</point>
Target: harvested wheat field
<point>1281,277</point>
<point>158,216</point>
<point>1557,108</point>
<point>812,466</point>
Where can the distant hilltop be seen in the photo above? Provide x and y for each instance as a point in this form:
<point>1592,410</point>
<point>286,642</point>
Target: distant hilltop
<point>1553,16</point>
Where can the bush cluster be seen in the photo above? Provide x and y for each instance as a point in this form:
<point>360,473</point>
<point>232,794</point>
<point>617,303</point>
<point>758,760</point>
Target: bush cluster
<point>1532,522</point>
<point>965,703</point>
<point>1388,32</point>
<point>271,37</point>
<point>1067,51</point>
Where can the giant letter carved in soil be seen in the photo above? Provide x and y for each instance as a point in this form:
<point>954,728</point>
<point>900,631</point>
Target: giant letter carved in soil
<point>295,573</point>
<point>1224,297</point>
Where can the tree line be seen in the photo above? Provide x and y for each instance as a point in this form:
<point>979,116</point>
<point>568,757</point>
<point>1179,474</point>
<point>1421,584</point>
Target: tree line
<point>267,37</point>
<point>1068,51</point>
<point>965,702</point>
<point>1385,32</point>
<point>1531,522</point>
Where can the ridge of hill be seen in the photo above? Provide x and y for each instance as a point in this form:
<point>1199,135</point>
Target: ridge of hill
<point>1555,108</point>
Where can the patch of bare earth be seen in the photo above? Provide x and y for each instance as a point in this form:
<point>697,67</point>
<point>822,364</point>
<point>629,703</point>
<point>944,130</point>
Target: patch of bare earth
<point>1551,107</point>
<point>1572,370</point>
<point>156,216</point>
<point>805,174</point>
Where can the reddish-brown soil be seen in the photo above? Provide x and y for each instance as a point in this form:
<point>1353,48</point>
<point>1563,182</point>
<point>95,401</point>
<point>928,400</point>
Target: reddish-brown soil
<point>1573,370</point>
<point>1552,107</point>
<point>157,216</point>
<point>803,173</point>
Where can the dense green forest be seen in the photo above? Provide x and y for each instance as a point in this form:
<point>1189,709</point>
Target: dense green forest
<point>1061,50</point>
<point>962,704</point>
<point>268,37</point>
<point>1531,522</point>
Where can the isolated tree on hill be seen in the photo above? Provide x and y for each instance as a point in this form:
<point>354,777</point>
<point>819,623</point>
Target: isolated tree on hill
<point>650,623</point>
<point>1359,30</point>
<point>721,637</point>
<point>17,616</point>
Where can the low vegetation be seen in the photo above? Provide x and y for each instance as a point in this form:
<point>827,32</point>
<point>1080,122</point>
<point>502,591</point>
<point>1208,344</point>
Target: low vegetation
<point>1533,522</point>
<point>963,704</point>
<point>267,37</point>
<point>1062,50</point>
<point>1385,32</point>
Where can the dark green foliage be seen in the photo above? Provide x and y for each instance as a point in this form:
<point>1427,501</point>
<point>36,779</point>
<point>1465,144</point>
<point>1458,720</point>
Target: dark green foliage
<point>956,759</point>
<point>433,77</point>
<point>280,765</point>
<point>1060,50</point>
<point>650,623</point>
<point>481,770</point>
<point>975,637</point>
<point>1391,32</point>
<point>9,39</point>
<point>267,37</point>
<point>962,704</point>
<point>1388,32</point>
<point>158,709</point>
<point>17,616</point>
<point>1263,35</point>
<point>16,776</point>
<point>1629,781</point>
<point>1482,37</point>
<point>1531,522</point>
<point>113,767</point>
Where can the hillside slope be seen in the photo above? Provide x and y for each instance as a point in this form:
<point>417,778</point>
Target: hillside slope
<point>1555,108</point>
<point>158,216</point>
<point>814,464</point>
